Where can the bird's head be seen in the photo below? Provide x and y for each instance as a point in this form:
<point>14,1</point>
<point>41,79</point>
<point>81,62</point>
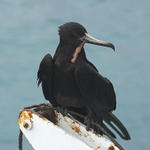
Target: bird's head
<point>75,34</point>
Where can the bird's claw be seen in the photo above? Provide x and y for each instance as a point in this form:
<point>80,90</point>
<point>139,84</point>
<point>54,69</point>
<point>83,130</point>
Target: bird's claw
<point>62,110</point>
<point>87,121</point>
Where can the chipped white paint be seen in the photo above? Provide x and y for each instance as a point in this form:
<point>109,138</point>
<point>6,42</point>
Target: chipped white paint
<point>68,134</point>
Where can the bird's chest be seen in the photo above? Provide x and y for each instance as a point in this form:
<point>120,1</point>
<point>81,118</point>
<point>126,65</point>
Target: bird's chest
<point>63,72</point>
<point>66,91</point>
<point>64,80</point>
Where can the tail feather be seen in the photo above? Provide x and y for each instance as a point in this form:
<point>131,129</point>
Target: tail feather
<point>108,131</point>
<point>116,124</point>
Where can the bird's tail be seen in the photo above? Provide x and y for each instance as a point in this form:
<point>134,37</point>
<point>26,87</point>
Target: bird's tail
<point>116,124</point>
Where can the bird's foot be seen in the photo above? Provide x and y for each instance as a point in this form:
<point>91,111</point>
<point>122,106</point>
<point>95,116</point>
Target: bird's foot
<point>62,110</point>
<point>96,129</point>
<point>49,114</point>
<point>88,122</point>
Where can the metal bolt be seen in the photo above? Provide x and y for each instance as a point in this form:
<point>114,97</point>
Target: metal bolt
<point>27,124</point>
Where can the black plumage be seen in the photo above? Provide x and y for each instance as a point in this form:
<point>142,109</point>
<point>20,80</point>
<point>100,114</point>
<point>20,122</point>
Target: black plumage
<point>70,81</point>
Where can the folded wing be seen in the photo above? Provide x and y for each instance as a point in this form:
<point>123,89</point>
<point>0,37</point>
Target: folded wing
<point>45,77</point>
<point>95,89</point>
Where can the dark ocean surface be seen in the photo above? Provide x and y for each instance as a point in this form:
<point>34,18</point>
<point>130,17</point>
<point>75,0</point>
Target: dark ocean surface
<point>28,31</point>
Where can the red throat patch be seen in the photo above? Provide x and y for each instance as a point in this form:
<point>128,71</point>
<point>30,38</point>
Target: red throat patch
<point>77,51</point>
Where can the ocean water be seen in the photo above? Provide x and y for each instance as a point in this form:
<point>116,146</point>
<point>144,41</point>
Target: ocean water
<point>28,31</point>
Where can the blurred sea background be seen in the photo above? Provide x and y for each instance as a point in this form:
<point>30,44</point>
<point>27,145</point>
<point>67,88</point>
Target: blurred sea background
<point>29,30</point>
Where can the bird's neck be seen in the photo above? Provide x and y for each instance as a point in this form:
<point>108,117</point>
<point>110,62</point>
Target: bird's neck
<point>65,54</point>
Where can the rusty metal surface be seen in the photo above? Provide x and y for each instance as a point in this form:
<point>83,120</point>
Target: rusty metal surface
<point>66,134</point>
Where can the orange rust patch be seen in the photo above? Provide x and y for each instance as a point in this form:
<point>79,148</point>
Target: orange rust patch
<point>30,114</point>
<point>75,128</point>
<point>24,115</point>
<point>111,148</point>
<point>26,125</point>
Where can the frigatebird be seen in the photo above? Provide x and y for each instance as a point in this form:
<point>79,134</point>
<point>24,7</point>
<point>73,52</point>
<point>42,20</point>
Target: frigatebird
<point>69,80</point>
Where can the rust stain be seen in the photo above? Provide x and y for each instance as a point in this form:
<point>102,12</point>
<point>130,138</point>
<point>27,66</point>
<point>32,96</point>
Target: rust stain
<point>24,115</point>
<point>111,148</point>
<point>30,114</point>
<point>75,128</point>
<point>26,125</point>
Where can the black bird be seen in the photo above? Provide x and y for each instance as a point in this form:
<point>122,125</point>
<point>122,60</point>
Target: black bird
<point>72,82</point>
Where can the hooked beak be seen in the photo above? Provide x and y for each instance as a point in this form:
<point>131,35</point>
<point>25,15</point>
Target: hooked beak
<point>89,39</point>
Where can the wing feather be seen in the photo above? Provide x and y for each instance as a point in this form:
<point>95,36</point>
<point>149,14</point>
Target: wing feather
<point>96,90</point>
<point>45,76</point>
